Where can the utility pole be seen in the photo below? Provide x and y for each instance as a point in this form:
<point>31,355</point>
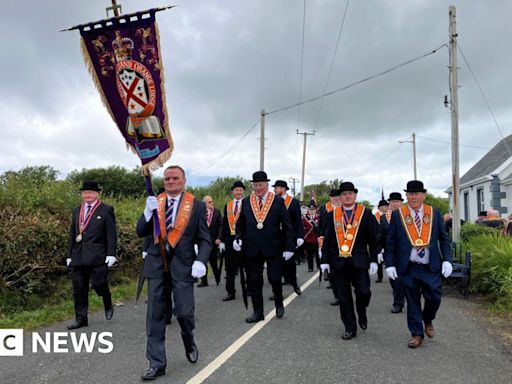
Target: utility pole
<point>262,140</point>
<point>305,134</point>
<point>293,180</point>
<point>454,107</point>
<point>413,141</point>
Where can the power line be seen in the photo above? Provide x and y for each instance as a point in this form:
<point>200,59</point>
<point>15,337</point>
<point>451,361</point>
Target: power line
<point>485,99</point>
<point>449,142</point>
<point>410,61</point>
<point>205,167</point>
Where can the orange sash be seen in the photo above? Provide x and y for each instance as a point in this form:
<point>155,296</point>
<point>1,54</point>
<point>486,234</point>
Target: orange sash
<point>182,217</point>
<point>329,207</point>
<point>419,237</point>
<point>346,233</point>
<point>232,219</point>
<point>287,201</point>
<point>261,214</point>
<point>378,216</point>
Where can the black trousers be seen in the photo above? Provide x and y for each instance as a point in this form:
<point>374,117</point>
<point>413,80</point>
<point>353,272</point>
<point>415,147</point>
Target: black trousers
<point>183,294</point>
<point>290,269</point>
<point>254,268</point>
<point>312,254</point>
<point>212,260</point>
<point>345,278</point>
<point>398,293</point>
<point>231,258</point>
<point>95,276</point>
<point>380,271</point>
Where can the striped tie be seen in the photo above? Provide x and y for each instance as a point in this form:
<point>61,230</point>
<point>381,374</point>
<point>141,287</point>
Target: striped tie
<point>417,221</point>
<point>168,215</point>
<point>260,202</point>
<point>236,208</point>
<point>87,209</point>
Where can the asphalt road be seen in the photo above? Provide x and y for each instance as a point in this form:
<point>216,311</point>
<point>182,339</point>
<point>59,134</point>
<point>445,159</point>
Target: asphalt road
<point>303,347</point>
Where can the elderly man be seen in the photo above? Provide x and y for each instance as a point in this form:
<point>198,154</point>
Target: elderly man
<point>418,253</point>
<point>264,234</point>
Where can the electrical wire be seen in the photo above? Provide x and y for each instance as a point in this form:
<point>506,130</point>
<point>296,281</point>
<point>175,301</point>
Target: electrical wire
<point>449,142</point>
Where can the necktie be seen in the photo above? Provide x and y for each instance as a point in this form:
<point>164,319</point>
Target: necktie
<point>168,215</point>
<point>235,211</point>
<point>209,216</point>
<point>260,199</point>
<point>87,209</point>
<point>417,221</point>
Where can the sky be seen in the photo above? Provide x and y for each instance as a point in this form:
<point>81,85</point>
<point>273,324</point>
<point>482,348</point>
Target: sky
<point>226,60</point>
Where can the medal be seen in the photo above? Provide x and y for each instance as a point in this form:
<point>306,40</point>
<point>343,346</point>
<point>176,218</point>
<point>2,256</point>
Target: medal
<point>259,226</point>
<point>419,242</point>
<point>349,226</point>
<point>350,236</point>
<point>78,238</point>
<point>344,248</point>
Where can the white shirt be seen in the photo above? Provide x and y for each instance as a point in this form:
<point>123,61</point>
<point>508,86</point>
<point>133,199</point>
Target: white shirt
<point>414,250</point>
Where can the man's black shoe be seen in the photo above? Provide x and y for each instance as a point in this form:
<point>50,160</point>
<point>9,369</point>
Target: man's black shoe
<point>109,313</point>
<point>396,309</point>
<point>363,322</point>
<point>279,311</point>
<point>348,335</point>
<point>272,297</point>
<point>297,291</point>
<point>78,324</point>
<point>192,354</point>
<point>202,284</point>
<point>153,373</point>
<point>229,297</point>
<point>254,318</point>
<point>335,302</point>
<point>378,281</point>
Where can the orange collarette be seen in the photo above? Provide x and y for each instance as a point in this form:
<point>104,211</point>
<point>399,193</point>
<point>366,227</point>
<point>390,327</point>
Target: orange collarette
<point>232,219</point>
<point>261,214</point>
<point>378,215</point>
<point>182,217</point>
<point>287,201</point>
<point>418,237</point>
<point>346,232</point>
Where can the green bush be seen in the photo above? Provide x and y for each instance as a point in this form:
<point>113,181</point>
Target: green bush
<point>469,231</point>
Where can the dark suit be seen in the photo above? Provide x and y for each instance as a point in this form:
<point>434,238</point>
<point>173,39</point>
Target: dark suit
<point>99,240</point>
<point>231,257</point>
<point>352,270</point>
<point>215,233</point>
<point>264,245</point>
<point>322,213</point>
<point>290,266</point>
<point>418,279</point>
<point>180,262</point>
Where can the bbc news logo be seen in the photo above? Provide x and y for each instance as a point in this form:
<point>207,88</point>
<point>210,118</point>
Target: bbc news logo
<point>11,342</point>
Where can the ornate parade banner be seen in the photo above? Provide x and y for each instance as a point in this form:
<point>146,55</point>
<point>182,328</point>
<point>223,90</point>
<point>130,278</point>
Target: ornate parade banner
<point>122,55</point>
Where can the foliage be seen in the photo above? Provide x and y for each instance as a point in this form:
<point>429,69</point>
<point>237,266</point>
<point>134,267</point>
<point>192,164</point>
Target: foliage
<point>441,203</point>
<point>470,230</point>
<point>321,190</point>
<point>219,190</point>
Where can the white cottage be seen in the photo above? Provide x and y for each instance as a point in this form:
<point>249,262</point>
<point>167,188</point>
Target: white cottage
<point>488,184</point>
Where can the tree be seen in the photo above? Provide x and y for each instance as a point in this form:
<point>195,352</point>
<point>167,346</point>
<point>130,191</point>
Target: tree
<point>442,203</point>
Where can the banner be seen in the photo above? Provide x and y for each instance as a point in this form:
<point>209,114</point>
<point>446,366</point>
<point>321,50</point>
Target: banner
<point>122,55</point>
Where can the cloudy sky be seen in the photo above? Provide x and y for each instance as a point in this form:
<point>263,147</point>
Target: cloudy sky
<point>226,60</point>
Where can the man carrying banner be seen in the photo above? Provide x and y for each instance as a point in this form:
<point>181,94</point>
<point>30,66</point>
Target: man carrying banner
<point>265,235</point>
<point>418,253</point>
<point>182,220</point>
<point>350,248</point>
<point>232,257</point>
<point>91,251</point>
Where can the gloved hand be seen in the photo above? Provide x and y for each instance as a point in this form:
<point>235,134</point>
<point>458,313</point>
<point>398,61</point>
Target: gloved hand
<point>287,255</point>
<point>144,254</point>
<point>237,245</point>
<point>222,247</point>
<point>110,260</point>
<point>373,268</point>
<point>391,272</point>
<point>325,267</point>
<point>68,261</point>
<point>300,242</point>
<point>446,269</point>
<point>196,249</point>
<point>198,269</point>
<point>151,205</point>
<point>380,257</point>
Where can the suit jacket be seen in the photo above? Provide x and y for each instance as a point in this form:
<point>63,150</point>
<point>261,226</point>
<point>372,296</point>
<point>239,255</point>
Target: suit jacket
<point>365,247</point>
<point>215,226</point>
<point>226,236</point>
<point>99,239</point>
<point>276,235</point>
<point>384,228</point>
<point>398,250</point>
<point>183,256</point>
<point>296,219</point>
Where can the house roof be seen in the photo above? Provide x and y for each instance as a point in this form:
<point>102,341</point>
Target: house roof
<point>490,162</point>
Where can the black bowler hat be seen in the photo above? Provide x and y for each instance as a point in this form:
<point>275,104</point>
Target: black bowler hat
<point>90,186</point>
<point>415,186</point>
<point>395,196</point>
<point>382,203</point>
<point>281,183</point>
<point>347,186</point>
<point>259,176</point>
<point>334,192</point>
<point>238,184</point>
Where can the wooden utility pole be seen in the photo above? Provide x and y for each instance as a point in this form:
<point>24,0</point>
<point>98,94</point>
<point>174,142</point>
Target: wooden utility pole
<point>262,140</point>
<point>293,181</point>
<point>454,108</point>
<point>305,134</point>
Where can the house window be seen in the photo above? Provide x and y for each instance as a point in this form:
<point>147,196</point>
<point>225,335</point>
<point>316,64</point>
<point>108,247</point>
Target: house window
<point>466,206</point>
<point>480,199</point>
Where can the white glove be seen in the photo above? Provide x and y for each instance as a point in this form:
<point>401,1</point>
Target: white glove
<point>144,254</point>
<point>110,260</point>
<point>68,261</point>
<point>446,269</point>
<point>237,245</point>
<point>325,267</point>
<point>196,249</point>
<point>380,258</point>
<point>373,268</point>
<point>151,205</point>
<point>391,272</point>
<point>320,252</point>
<point>287,255</point>
<point>300,242</point>
<point>222,247</point>
<point>198,269</point>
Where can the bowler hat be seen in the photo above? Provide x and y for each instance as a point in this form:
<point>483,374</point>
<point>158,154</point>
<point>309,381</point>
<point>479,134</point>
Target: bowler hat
<point>415,186</point>
<point>259,176</point>
<point>395,196</point>
<point>90,186</point>
<point>334,192</point>
<point>238,184</point>
<point>281,183</point>
<point>382,203</point>
<point>347,186</point>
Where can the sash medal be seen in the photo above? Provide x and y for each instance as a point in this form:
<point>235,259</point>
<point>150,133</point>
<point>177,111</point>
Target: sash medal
<point>232,218</point>
<point>83,220</point>
<point>418,237</point>
<point>347,228</point>
<point>261,214</point>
